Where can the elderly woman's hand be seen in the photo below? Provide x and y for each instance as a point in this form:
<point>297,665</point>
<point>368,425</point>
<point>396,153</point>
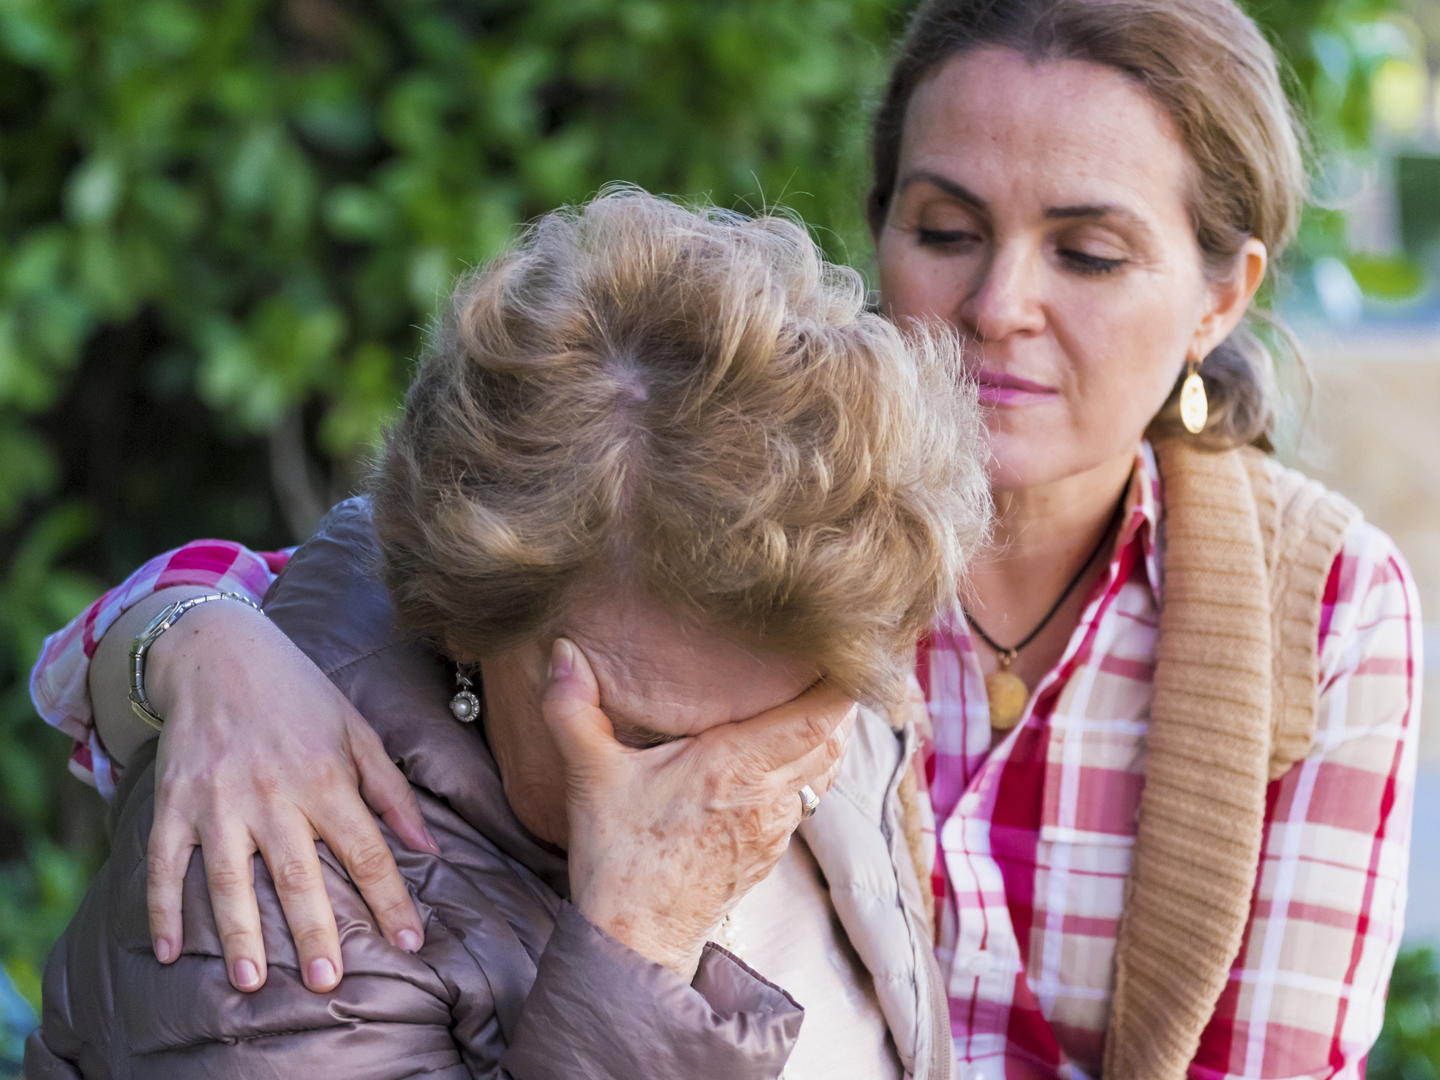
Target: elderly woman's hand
<point>665,841</point>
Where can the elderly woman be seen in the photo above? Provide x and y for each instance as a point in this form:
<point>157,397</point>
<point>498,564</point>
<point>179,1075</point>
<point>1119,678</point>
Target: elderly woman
<point>664,500</point>
<point>1174,722</point>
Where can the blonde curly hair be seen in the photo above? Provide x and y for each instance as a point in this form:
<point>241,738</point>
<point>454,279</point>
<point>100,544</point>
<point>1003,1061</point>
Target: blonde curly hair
<point>693,403</point>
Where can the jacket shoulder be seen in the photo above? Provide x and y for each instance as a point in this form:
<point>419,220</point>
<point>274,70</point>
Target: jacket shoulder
<point>108,1002</point>
<point>337,570</point>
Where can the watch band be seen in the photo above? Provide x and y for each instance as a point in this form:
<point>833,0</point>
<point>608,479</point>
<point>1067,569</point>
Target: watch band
<point>140,649</point>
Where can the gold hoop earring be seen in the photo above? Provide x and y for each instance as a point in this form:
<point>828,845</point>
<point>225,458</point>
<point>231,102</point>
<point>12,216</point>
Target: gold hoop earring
<point>1194,406</point>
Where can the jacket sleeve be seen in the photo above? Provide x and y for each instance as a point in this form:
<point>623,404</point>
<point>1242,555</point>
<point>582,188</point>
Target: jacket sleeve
<point>600,1010</point>
<point>111,1010</point>
<point>472,1002</point>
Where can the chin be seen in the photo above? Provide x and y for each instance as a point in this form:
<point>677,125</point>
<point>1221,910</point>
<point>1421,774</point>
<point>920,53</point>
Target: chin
<point>1036,458</point>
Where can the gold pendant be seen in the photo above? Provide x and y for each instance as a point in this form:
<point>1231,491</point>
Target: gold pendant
<point>1007,694</point>
<point>1194,408</point>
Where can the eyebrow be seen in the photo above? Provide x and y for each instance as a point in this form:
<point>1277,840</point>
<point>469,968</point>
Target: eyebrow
<point>1097,211</point>
<point>1082,211</point>
<point>945,184</point>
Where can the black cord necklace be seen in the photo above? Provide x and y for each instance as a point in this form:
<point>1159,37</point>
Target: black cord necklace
<point>1006,691</point>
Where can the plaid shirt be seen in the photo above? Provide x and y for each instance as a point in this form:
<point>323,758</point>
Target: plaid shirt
<point>1035,835</point>
<point>1034,838</point>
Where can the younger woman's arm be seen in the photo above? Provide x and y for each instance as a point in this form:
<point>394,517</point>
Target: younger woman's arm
<point>259,753</point>
<point>59,683</point>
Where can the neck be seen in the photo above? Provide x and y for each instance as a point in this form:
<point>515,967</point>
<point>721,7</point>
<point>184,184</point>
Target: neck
<point>1043,535</point>
<point>1039,520</point>
<point>531,767</point>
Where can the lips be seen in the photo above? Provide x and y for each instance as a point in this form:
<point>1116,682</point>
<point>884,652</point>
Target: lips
<point>998,388</point>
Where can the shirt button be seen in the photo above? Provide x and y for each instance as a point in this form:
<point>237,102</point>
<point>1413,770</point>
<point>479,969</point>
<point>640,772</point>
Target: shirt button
<point>979,964</point>
<point>969,804</point>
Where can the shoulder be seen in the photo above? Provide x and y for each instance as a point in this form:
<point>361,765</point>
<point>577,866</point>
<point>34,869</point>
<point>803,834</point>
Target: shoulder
<point>1304,511</point>
<point>330,599</point>
<point>1366,563</point>
<point>1369,591</point>
<point>1370,605</point>
<point>107,1000</point>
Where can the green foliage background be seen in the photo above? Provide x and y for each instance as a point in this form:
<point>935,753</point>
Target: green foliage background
<point>223,224</point>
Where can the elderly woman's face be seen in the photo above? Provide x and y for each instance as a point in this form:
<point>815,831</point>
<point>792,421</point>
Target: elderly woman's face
<point>660,678</point>
<point>1040,208</point>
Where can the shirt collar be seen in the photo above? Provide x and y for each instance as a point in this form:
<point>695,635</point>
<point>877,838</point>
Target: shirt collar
<point>1142,513</point>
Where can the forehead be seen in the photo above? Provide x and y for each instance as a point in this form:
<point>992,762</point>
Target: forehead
<point>661,675</point>
<point>1064,132</point>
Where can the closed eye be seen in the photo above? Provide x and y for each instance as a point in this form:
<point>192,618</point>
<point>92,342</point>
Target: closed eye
<point>1090,265</point>
<point>938,238</point>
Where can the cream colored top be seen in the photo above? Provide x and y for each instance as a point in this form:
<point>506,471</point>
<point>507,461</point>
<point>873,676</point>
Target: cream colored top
<point>787,930</point>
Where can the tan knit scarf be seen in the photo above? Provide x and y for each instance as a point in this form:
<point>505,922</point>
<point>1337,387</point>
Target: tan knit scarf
<point>1248,549</point>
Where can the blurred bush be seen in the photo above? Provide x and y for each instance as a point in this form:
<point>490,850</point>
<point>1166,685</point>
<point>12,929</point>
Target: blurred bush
<point>223,225</point>
<point>1409,1047</point>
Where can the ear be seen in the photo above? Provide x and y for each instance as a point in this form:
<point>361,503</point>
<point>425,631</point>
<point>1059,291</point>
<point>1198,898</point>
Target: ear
<point>1229,299</point>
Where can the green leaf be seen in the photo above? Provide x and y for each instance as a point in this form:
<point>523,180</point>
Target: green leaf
<point>353,212</point>
<point>93,194</point>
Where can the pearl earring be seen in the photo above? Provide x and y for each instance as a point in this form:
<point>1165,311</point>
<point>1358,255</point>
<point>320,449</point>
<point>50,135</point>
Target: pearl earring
<point>464,705</point>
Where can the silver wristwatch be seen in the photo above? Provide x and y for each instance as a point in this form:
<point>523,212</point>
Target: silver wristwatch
<point>167,618</point>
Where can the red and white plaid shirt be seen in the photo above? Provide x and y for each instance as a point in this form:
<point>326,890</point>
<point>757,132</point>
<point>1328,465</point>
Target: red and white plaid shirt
<point>1035,836</point>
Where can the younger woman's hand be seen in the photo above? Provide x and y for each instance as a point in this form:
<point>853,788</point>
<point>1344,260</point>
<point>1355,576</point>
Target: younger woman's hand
<point>665,841</point>
<point>260,752</point>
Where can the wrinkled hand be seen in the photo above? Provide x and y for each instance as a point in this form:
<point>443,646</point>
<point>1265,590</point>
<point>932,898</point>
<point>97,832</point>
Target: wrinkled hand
<point>665,841</point>
<point>260,752</point>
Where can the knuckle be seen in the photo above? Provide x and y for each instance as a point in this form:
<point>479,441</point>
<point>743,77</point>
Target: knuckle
<point>816,727</point>
<point>237,941</point>
<point>753,826</point>
<point>325,773</point>
<point>293,874</point>
<point>267,786</point>
<point>370,863</point>
<point>227,879</point>
<point>397,910</point>
<point>159,873</point>
<point>312,940</point>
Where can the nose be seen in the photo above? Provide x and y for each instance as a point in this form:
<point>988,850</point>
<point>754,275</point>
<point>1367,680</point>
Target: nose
<point>1007,298</point>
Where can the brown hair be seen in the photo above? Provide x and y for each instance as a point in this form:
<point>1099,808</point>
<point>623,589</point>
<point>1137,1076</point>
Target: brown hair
<point>694,403</point>
<point>1209,67</point>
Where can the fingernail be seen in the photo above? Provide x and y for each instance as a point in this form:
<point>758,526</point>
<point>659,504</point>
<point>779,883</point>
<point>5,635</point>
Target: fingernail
<point>162,950</point>
<point>247,975</point>
<point>430,838</point>
<point>408,940</point>
<point>322,973</point>
<point>562,659</point>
